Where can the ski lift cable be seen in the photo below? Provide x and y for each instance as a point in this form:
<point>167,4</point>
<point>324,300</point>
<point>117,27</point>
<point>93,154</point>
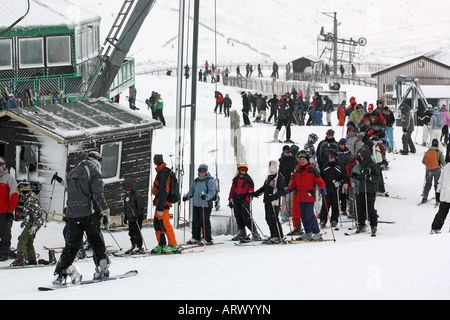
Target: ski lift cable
<point>17,21</point>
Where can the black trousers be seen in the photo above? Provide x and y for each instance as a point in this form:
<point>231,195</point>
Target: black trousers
<point>366,211</point>
<point>6,222</point>
<point>197,223</point>
<point>440,216</point>
<point>272,220</point>
<point>76,228</point>
<point>331,203</point>
<point>134,231</point>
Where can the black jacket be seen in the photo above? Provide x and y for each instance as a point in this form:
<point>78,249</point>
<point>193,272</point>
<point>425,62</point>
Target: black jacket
<point>287,167</point>
<point>369,175</point>
<point>333,171</point>
<point>134,205</point>
<point>84,191</point>
<point>269,186</point>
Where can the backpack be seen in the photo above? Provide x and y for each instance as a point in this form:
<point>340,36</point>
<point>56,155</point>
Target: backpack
<point>174,195</point>
<point>431,160</point>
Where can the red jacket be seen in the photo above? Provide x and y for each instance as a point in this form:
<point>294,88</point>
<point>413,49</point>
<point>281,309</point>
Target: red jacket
<point>8,193</point>
<point>304,183</point>
<point>240,188</point>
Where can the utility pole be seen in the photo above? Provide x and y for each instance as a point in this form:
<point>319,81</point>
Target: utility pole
<point>335,39</point>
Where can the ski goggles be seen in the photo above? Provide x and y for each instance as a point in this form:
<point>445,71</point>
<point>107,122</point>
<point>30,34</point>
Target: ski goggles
<point>303,155</point>
<point>273,164</point>
<point>202,170</point>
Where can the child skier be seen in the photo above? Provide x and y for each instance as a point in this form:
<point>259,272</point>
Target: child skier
<point>273,189</point>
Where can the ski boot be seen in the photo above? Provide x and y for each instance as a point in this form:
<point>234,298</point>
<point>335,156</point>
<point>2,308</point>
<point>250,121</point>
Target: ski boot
<point>129,251</point>
<point>305,236</point>
<point>101,271</point>
<point>316,237</point>
<point>194,241</point>
<point>158,249</point>
<point>20,260</point>
<point>51,257</point>
<point>435,231</point>
<point>170,250</point>
<point>374,231</point>
<point>256,236</point>
<point>361,228</point>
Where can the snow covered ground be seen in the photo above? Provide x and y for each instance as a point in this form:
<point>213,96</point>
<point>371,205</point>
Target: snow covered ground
<point>402,262</point>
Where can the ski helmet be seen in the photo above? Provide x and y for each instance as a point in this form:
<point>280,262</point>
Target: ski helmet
<point>23,186</point>
<point>242,165</point>
<point>203,166</point>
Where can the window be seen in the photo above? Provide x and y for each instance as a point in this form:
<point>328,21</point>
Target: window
<point>31,53</point>
<point>59,51</point>
<point>6,54</point>
<point>112,154</point>
<point>27,161</point>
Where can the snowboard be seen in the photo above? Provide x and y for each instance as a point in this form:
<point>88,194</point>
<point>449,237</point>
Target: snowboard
<point>128,274</point>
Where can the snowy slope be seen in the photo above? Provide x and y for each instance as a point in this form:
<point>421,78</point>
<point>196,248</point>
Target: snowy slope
<point>402,262</point>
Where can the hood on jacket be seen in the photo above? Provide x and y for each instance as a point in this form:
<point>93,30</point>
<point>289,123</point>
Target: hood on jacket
<point>128,183</point>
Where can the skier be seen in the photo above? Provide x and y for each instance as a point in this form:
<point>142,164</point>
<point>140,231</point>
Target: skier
<point>287,166</point>
<point>433,160</point>
<point>341,114</point>
<point>245,109</point>
<point>390,121</point>
<point>203,190</point>
<point>335,177</point>
<point>443,198</point>
<point>8,203</point>
<point>284,119</point>
<point>239,200</point>
<point>303,183</point>
<point>368,186</point>
<point>134,214</point>
<point>325,147</point>
<point>227,103</point>
<point>446,116</point>
<point>273,104</point>
<point>408,128</point>
<point>31,223</point>
<point>329,108</point>
<point>219,101</point>
<point>159,105</point>
<point>318,106</point>
<point>425,118</point>
<point>273,189</point>
<point>85,205</point>
<point>161,222</point>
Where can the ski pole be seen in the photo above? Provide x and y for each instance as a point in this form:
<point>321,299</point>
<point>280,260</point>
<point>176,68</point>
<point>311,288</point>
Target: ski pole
<point>329,219</point>
<point>275,215</point>
<point>49,204</point>
<point>203,210</point>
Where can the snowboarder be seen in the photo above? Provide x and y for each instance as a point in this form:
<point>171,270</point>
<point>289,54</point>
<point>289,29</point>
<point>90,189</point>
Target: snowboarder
<point>203,191</point>
<point>273,190</point>
<point>134,214</point>
<point>84,210</point>
<point>433,160</point>
<point>161,222</point>
<point>239,200</point>
<point>32,221</point>
<point>303,183</point>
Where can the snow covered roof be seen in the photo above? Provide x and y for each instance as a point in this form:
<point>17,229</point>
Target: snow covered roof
<point>440,56</point>
<point>44,13</point>
<point>82,120</point>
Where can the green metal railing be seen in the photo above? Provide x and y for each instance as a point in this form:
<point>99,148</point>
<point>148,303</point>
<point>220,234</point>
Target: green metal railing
<point>64,87</point>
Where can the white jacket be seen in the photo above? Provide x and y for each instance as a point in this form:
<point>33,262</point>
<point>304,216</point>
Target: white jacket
<point>444,184</point>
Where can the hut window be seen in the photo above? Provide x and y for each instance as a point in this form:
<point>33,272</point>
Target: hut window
<point>111,154</point>
<point>58,51</point>
<point>6,54</point>
<point>27,159</point>
<point>31,52</point>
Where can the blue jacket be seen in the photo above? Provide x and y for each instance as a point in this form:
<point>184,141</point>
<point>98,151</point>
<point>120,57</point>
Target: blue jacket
<point>12,104</point>
<point>201,185</point>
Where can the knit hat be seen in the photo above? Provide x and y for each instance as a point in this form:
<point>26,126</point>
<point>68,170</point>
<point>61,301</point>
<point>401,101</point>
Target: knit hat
<point>286,148</point>
<point>158,159</point>
<point>435,143</point>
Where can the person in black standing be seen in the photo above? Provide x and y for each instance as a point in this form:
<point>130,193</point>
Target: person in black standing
<point>134,209</point>
<point>245,109</point>
<point>86,205</point>
<point>273,104</point>
<point>284,119</point>
<point>287,167</point>
<point>227,103</point>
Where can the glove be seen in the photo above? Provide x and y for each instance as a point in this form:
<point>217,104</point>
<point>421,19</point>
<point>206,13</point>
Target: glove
<point>231,204</point>
<point>287,191</point>
<point>438,197</point>
<point>159,213</point>
<point>323,191</point>
<point>203,197</point>
<point>9,215</point>
<point>185,198</point>
<point>253,195</point>
<point>56,177</point>
<point>105,217</point>
<point>33,229</point>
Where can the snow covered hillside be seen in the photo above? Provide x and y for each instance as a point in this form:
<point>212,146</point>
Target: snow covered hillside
<point>263,31</point>
<point>402,262</point>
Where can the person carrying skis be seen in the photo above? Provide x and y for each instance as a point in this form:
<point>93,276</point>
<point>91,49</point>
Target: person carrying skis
<point>239,201</point>
<point>86,204</point>
<point>161,222</point>
<point>433,160</point>
<point>134,214</point>
<point>273,190</point>
<point>32,212</point>
<point>304,181</point>
<point>368,180</point>
<point>203,190</point>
